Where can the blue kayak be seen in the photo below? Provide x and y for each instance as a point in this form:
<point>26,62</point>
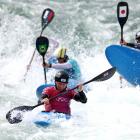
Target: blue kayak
<point>40,89</point>
<point>126,60</point>
<point>45,119</point>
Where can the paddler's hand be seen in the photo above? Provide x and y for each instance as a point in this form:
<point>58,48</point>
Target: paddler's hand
<point>46,65</point>
<point>123,42</point>
<point>80,88</point>
<point>45,100</point>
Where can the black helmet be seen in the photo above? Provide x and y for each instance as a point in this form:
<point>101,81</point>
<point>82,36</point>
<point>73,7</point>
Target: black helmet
<point>138,35</point>
<point>62,76</point>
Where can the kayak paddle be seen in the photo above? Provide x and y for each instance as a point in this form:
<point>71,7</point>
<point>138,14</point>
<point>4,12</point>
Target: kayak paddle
<point>42,44</point>
<point>16,114</point>
<point>122,14</point>
<point>46,18</point>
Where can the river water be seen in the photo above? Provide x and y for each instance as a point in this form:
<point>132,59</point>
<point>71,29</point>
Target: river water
<point>86,28</point>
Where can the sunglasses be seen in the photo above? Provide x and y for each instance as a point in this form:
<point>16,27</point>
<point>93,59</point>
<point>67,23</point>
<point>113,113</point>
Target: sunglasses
<point>61,83</point>
<point>60,58</point>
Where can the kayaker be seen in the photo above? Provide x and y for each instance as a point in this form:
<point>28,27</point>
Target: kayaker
<point>61,104</point>
<point>133,45</point>
<point>67,64</point>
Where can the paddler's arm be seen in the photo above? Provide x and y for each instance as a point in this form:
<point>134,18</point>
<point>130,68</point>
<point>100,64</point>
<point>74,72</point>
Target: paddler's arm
<point>133,45</point>
<point>58,66</point>
<point>123,42</point>
<point>80,96</point>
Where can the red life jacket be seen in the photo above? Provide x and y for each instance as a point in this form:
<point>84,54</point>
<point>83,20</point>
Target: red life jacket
<point>60,104</point>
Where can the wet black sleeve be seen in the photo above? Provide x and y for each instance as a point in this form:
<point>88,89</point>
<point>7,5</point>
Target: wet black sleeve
<point>81,97</point>
<point>133,45</point>
<point>44,96</point>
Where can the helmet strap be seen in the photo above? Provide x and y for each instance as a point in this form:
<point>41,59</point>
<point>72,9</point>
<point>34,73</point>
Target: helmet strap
<point>66,58</point>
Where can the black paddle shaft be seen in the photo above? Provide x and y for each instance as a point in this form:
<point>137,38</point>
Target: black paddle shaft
<point>122,14</point>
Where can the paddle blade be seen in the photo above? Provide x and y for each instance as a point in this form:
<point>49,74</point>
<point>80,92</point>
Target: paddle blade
<point>103,76</point>
<point>122,13</point>
<point>16,114</point>
<point>42,44</point>
<point>47,17</point>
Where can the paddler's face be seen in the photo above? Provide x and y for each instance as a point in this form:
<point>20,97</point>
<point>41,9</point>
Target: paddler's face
<point>60,86</point>
<point>61,60</point>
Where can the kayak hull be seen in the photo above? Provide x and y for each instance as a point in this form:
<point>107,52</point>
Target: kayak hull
<point>45,119</point>
<point>126,60</point>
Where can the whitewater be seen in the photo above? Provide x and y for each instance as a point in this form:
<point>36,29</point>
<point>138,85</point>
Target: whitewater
<point>86,28</point>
